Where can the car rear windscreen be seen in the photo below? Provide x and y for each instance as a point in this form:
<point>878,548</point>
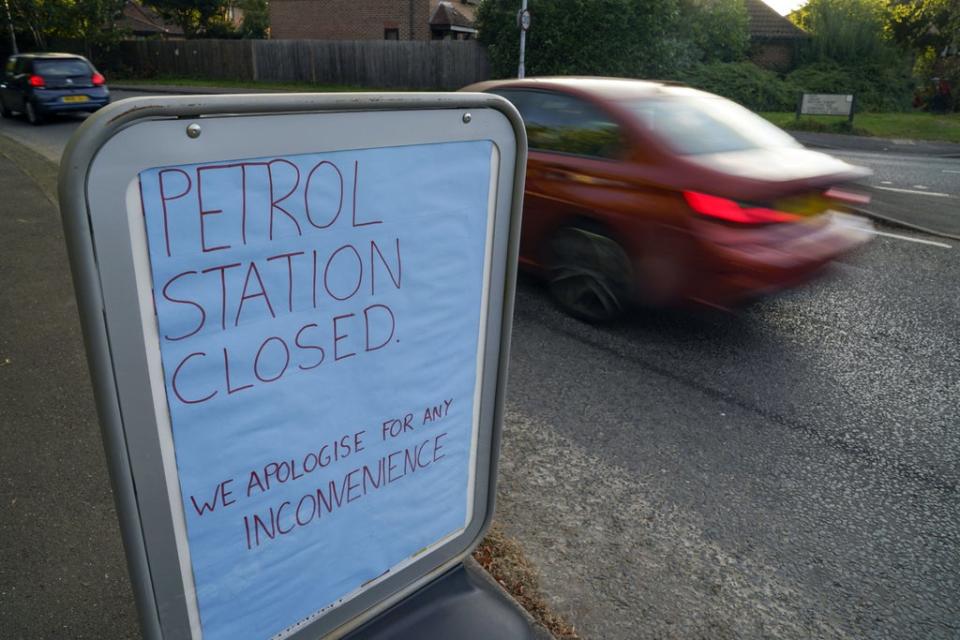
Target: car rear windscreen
<point>699,126</point>
<point>61,68</point>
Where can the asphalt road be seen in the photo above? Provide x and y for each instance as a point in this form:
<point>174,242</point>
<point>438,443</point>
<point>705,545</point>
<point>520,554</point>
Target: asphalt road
<point>915,175</point>
<point>790,471</point>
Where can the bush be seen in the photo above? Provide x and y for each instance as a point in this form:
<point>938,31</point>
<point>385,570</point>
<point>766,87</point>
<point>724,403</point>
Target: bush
<point>716,30</point>
<point>876,87</point>
<point>746,83</point>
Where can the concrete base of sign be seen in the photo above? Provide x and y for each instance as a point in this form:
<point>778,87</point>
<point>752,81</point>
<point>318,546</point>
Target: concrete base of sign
<point>464,603</point>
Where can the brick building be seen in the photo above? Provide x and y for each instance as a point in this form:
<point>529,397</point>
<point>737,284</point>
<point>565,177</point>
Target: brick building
<point>774,40</point>
<point>372,19</point>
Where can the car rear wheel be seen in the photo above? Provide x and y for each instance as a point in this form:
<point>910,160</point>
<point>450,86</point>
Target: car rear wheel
<point>33,115</point>
<point>4,111</point>
<point>591,275</point>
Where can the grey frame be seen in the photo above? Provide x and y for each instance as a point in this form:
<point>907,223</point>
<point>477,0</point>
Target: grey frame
<point>102,261</point>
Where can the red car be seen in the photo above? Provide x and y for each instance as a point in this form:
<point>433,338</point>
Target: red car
<point>650,193</point>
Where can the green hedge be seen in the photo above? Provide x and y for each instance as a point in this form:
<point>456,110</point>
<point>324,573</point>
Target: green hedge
<point>877,88</point>
<point>743,82</point>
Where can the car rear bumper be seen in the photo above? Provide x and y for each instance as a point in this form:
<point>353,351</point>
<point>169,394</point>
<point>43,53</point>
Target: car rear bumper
<point>764,261</point>
<point>53,101</point>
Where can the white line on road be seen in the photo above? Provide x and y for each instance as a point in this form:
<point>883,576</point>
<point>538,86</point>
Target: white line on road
<point>897,236</point>
<point>919,193</point>
<point>909,239</point>
<point>950,171</point>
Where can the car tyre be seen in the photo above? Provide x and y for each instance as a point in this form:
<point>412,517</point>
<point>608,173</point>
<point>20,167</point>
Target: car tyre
<point>33,115</point>
<point>590,274</point>
<point>4,111</point>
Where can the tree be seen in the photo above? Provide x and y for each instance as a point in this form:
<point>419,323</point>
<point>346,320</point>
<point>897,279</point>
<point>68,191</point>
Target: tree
<point>88,20</point>
<point>598,37</point>
<point>848,32</point>
<point>718,30</point>
<point>918,25</point>
<point>195,17</point>
<point>256,18</point>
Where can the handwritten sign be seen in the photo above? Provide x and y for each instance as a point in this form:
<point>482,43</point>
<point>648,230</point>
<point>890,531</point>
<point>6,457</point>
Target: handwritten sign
<point>824,104</point>
<point>319,318</point>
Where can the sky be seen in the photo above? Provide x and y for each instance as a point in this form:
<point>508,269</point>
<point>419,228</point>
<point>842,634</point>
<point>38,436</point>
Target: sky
<point>783,7</point>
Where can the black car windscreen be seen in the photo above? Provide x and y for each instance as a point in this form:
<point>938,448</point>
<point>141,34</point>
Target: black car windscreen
<point>61,68</point>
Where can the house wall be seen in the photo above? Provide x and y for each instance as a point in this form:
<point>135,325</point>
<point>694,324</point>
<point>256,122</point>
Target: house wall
<point>349,19</point>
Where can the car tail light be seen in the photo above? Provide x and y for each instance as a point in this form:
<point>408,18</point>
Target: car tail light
<point>35,81</point>
<point>97,79</point>
<point>849,197</point>
<point>732,211</point>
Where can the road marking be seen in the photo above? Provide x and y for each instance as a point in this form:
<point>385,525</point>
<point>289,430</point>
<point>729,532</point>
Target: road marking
<point>885,182</point>
<point>921,187</point>
<point>897,236</point>
<point>909,239</point>
<point>950,171</point>
<point>919,193</point>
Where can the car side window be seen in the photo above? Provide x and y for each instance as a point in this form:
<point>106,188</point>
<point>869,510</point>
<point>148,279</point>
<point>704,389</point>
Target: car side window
<point>558,122</point>
<point>10,66</point>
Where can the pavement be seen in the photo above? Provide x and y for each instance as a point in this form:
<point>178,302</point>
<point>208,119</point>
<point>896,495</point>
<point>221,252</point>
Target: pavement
<point>63,573</point>
<point>62,568</point>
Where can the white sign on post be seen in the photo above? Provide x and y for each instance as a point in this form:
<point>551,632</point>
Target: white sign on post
<point>321,339</point>
<point>824,104</point>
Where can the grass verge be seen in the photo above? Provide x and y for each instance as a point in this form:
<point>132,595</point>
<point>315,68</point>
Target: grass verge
<point>503,558</point>
<point>301,87</point>
<point>914,126</point>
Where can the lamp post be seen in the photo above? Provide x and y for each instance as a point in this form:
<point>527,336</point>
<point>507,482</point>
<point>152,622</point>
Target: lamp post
<point>523,21</point>
<point>13,37</point>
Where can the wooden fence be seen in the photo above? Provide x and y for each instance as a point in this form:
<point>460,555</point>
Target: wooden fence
<point>445,64</point>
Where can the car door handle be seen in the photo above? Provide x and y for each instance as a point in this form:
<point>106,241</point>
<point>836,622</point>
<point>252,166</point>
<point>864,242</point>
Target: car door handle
<point>568,175</point>
<point>556,173</point>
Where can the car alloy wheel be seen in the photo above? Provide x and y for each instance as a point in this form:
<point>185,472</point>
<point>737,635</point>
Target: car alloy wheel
<point>590,275</point>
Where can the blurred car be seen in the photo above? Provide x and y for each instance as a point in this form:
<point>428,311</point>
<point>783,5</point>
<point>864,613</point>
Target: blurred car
<point>646,192</point>
<point>40,84</point>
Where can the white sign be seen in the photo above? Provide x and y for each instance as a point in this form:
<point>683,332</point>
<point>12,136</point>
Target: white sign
<point>302,379</point>
<point>826,104</point>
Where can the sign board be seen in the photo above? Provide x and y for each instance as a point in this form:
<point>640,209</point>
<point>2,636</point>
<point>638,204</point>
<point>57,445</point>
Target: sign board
<point>297,313</point>
<point>824,104</point>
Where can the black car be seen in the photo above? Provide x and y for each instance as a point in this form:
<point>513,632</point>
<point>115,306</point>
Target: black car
<point>40,84</point>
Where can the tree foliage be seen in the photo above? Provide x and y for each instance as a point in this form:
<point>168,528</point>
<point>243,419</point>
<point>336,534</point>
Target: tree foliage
<point>924,24</point>
<point>88,20</point>
<point>639,38</point>
<point>848,32</point>
<point>256,18</point>
<point>197,18</point>
<point>715,30</point>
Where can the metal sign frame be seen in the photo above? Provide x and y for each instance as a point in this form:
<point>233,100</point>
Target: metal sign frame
<point>97,169</point>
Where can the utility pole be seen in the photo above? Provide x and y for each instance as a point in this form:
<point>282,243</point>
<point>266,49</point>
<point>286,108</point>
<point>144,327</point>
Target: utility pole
<point>523,21</point>
<point>13,37</point>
